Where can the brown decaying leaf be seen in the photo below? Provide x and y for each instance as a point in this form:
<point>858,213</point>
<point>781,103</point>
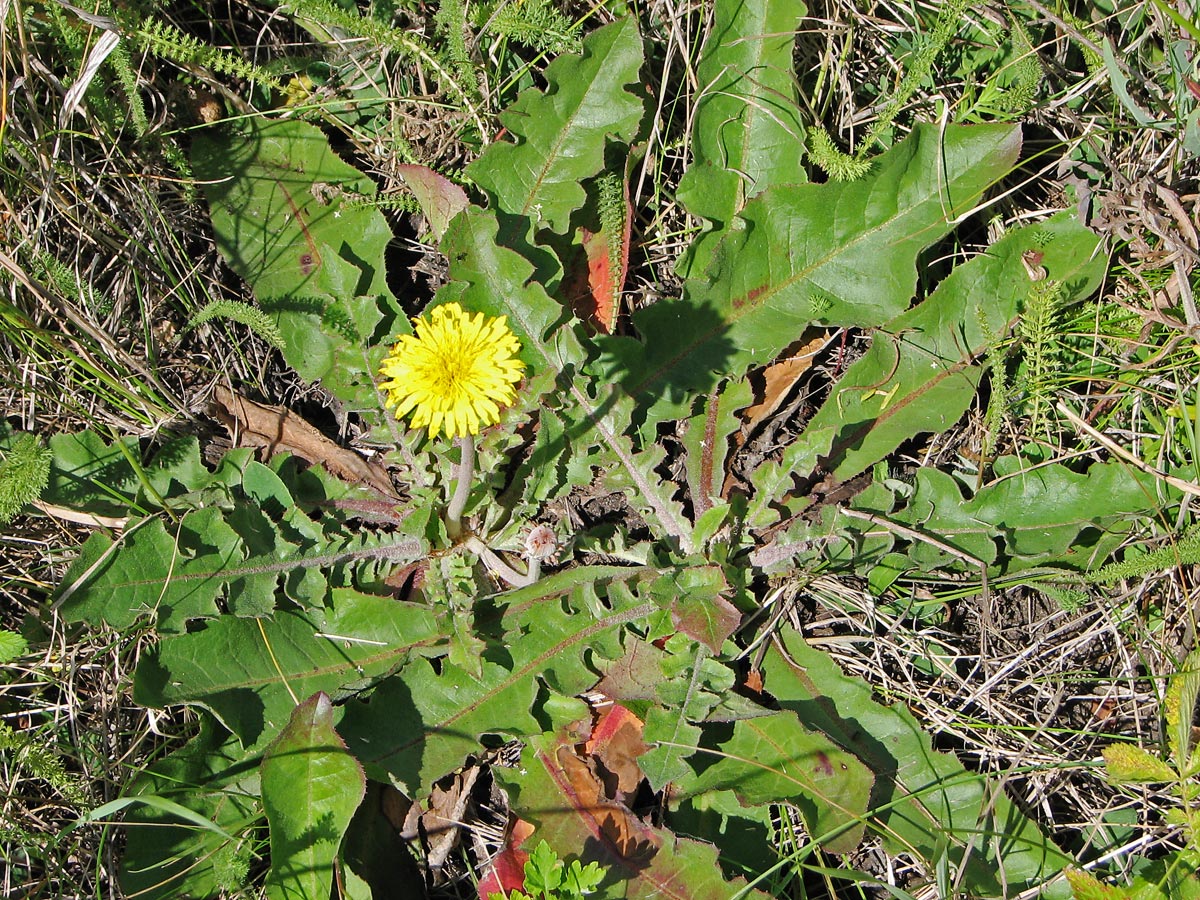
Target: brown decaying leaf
<point>616,742</point>
<point>612,823</point>
<point>440,824</point>
<point>278,430</point>
<point>779,378</point>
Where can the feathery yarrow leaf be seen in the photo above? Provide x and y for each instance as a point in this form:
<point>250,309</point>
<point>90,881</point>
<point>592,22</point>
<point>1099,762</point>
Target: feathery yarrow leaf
<point>24,474</point>
<point>165,40</point>
<point>254,319</point>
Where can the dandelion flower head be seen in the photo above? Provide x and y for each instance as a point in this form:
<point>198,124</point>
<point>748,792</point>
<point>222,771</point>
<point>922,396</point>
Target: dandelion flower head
<point>454,373</point>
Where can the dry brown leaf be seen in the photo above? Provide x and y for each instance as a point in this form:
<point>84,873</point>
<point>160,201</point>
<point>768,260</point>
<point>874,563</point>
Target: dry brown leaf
<point>612,822</point>
<point>442,822</point>
<point>278,430</point>
<point>779,378</point>
<point>616,742</point>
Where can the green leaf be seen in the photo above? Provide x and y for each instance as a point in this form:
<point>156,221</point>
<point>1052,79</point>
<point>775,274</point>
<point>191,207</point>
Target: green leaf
<point>378,865</point>
<point>672,739</point>
<point>440,198</point>
<point>246,671</point>
<point>556,791</point>
<point>562,131</point>
<point>744,835</point>
<point>1086,886</point>
<point>250,536</point>
<point>839,253</point>
<point>282,206</point>
<point>169,578</point>
<point>1127,764</point>
<point>699,608</point>
<point>90,475</point>
<point>921,372</point>
<point>421,723</point>
<point>579,880</point>
<point>1045,515</point>
<point>923,801</point>
<point>310,789</point>
<point>278,196</point>
<point>775,758</point>
<point>707,441</point>
<point>12,645</point>
<point>543,870</point>
<point>747,134</point>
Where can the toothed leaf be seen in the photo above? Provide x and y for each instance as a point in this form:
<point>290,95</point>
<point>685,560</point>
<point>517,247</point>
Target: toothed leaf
<point>747,134</point>
<point>561,132</point>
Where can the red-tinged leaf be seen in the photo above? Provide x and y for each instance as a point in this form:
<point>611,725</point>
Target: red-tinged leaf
<point>507,872</point>
<point>700,611</point>
<point>440,198</point>
<point>599,305</point>
<point>596,295</point>
<point>635,675</point>
<point>559,793</point>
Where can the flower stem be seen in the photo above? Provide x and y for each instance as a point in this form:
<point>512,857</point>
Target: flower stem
<point>499,567</point>
<point>464,473</point>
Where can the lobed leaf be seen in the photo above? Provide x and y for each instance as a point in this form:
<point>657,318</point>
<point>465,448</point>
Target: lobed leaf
<point>1045,515</point>
<point>421,723</point>
<point>285,212</point>
<point>923,801</point>
<point>277,195</point>
<point>771,759</point>
<point>747,133</point>
<point>561,132</point>
<point>838,253</point>
<point>247,672</point>
<point>921,372</point>
<point>707,441</point>
<point>92,475</point>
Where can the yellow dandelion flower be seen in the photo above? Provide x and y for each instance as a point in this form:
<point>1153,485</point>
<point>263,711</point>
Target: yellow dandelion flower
<point>455,373</point>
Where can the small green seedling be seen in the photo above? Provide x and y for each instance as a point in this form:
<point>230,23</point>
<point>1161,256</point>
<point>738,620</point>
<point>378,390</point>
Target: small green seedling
<point>548,878</point>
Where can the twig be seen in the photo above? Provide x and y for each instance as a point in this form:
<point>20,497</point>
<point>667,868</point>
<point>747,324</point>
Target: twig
<point>1116,449</point>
